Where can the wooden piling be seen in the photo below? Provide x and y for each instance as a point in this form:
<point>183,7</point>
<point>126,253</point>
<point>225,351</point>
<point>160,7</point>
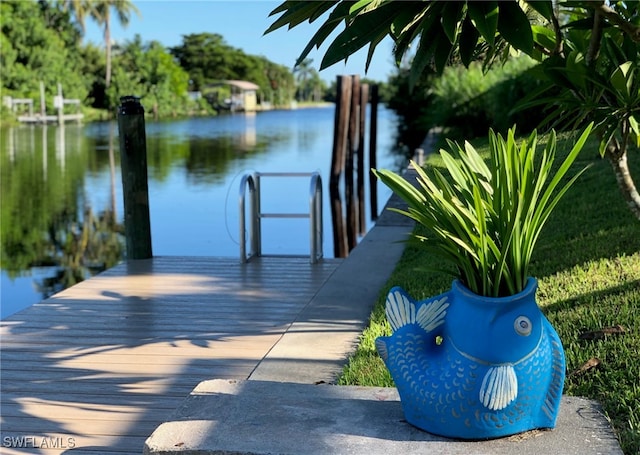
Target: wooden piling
<point>373,135</point>
<point>349,194</point>
<point>364,98</point>
<point>133,158</point>
<point>349,145</point>
<point>340,135</point>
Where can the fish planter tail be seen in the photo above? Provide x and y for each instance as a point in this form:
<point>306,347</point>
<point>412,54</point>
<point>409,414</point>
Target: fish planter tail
<point>473,367</point>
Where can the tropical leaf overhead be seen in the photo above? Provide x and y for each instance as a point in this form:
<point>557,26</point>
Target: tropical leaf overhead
<point>440,28</point>
<point>588,51</point>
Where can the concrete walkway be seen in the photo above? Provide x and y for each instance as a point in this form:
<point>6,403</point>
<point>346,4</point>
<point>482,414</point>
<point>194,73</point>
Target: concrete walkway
<point>287,405</point>
<point>263,417</point>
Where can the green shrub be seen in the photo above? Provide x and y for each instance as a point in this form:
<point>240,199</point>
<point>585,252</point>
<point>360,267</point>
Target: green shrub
<point>411,104</point>
<point>467,102</point>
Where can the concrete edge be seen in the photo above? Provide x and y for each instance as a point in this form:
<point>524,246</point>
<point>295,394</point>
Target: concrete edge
<point>319,342</point>
<point>265,417</point>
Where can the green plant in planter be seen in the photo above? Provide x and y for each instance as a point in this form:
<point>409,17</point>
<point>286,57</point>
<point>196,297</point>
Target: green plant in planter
<point>480,361</point>
<point>486,217</point>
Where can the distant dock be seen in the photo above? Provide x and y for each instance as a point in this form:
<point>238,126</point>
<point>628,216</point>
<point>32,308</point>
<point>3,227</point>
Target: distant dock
<point>38,118</point>
<point>31,117</point>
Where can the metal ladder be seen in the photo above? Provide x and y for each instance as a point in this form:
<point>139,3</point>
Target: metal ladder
<point>252,181</point>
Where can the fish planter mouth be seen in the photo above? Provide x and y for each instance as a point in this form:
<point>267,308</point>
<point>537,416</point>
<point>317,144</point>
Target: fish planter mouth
<point>498,370</point>
<point>530,288</point>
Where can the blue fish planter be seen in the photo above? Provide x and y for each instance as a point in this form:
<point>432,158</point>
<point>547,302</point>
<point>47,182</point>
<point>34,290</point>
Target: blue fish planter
<point>473,367</point>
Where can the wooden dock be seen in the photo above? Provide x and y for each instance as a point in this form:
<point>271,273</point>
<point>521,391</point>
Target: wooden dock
<point>59,102</point>
<point>99,366</point>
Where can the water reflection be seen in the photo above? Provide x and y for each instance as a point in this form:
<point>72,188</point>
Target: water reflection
<point>48,231</point>
<point>51,237</point>
<point>61,211</point>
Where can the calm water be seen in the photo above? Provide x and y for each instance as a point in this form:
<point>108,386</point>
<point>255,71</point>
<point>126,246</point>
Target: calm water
<point>61,211</point>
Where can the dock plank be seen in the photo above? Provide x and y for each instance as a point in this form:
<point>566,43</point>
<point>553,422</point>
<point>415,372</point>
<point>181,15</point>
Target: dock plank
<point>107,361</point>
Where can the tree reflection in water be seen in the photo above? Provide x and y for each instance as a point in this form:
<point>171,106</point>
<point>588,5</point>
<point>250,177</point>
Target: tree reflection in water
<point>48,227</point>
<point>80,249</point>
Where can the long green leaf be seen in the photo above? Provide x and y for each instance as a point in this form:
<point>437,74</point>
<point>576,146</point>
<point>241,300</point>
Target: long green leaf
<point>400,186</point>
<point>451,17</point>
<point>424,54</point>
<point>468,41</point>
<point>365,28</point>
<point>405,30</point>
<point>622,80</point>
<point>485,17</point>
<point>564,167</point>
<point>335,18</point>
<point>455,170</point>
<point>363,5</point>
<point>544,7</point>
<point>296,12</point>
<point>442,51</point>
<point>408,20</point>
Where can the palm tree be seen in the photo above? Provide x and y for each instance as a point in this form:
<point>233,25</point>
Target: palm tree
<point>100,11</point>
<point>303,71</point>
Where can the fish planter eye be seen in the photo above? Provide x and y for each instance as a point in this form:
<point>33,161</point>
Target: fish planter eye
<point>522,325</point>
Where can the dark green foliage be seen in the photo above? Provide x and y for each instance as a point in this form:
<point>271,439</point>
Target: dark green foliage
<point>589,51</point>
<point>208,59</point>
<point>38,44</point>
<point>443,31</point>
<point>465,102</point>
<point>468,101</point>
<point>147,70</point>
<point>412,104</point>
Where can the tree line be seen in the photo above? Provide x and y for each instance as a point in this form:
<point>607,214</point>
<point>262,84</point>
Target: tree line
<point>42,41</point>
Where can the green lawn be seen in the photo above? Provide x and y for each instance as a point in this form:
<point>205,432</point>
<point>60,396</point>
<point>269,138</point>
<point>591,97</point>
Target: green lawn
<point>588,266</point>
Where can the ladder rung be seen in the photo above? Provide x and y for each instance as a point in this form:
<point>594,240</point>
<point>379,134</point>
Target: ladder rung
<point>284,174</point>
<point>284,215</point>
